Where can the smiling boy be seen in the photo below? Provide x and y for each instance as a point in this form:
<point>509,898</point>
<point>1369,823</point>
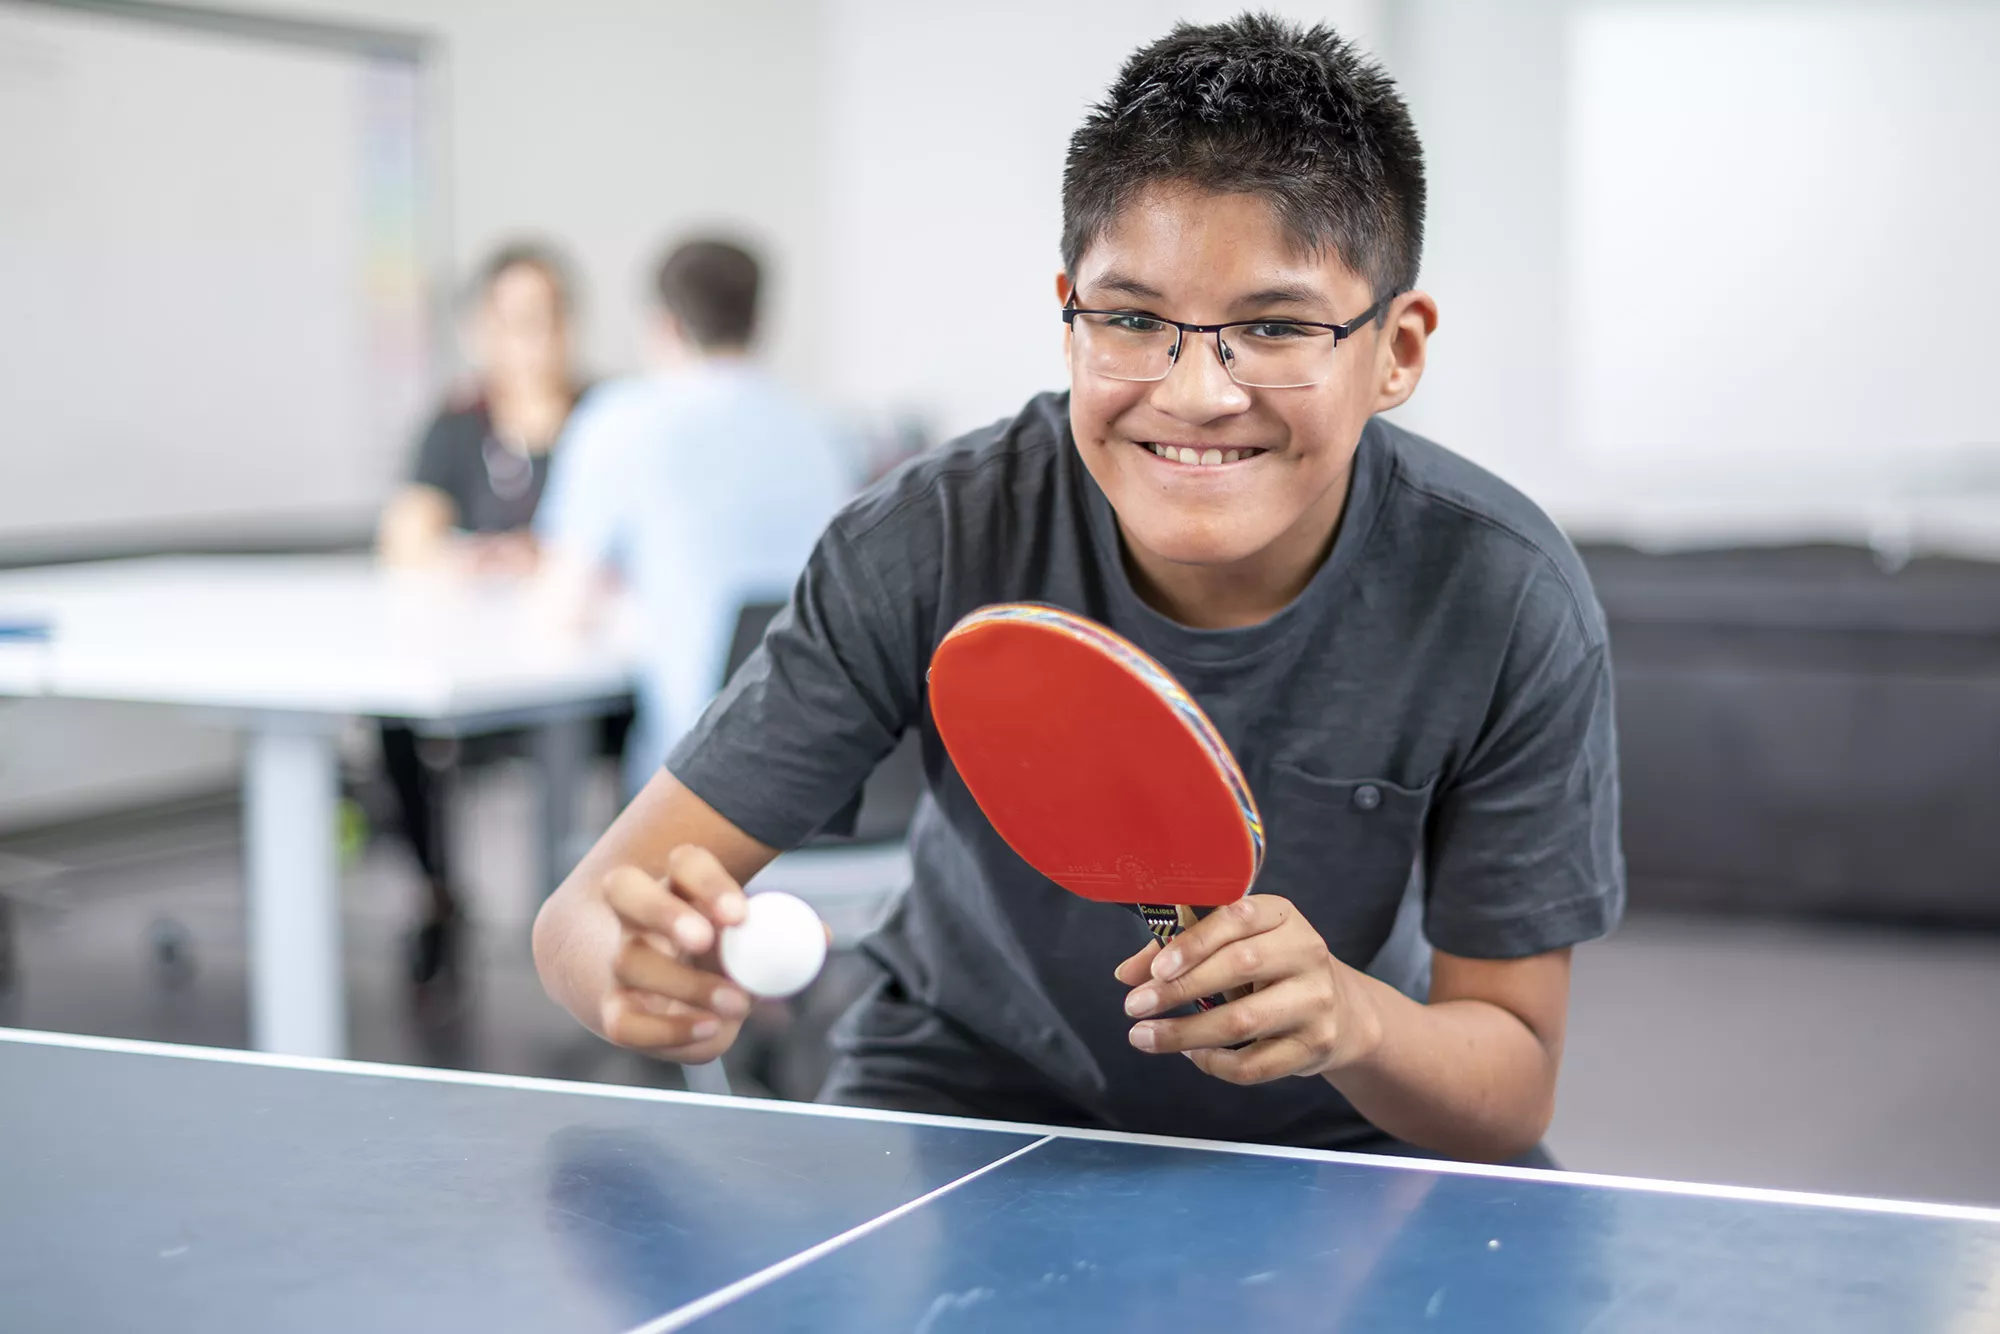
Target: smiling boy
<point>1404,654</point>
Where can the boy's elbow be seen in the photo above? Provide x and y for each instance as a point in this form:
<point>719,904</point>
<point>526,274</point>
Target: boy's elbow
<point>545,942</point>
<point>1522,1135</point>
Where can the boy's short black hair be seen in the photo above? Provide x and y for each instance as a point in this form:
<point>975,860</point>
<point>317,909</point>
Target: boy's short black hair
<point>540,256</point>
<point>710,286</point>
<point>1259,106</point>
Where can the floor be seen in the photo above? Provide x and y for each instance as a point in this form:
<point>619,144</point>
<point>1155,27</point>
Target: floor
<point>1808,1056</point>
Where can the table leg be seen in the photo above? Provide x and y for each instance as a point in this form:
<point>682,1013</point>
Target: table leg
<point>290,795</point>
<point>562,750</point>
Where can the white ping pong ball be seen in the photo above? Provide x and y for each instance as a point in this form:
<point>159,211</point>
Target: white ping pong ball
<point>777,948</point>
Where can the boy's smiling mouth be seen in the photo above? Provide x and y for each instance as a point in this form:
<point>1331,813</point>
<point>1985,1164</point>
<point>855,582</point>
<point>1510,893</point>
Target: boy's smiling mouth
<point>1197,456</point>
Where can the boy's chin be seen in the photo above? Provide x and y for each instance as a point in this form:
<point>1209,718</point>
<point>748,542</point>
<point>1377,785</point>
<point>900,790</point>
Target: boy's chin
<point>1199,545</point>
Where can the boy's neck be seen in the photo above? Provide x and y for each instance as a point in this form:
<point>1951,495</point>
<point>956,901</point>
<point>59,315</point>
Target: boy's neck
<point>1229,597</point>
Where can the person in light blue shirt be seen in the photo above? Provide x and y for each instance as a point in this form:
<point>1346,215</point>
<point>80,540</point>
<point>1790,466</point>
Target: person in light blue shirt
<point>701,487</point>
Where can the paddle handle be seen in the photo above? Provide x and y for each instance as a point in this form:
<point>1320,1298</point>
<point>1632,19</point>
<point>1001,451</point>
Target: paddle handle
<point>1166,921</point>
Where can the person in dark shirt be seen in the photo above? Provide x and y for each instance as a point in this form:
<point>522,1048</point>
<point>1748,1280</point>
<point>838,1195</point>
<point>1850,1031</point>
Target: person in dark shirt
<point>470,504</point>
<point>1403,652</point>
<point>485,457</point>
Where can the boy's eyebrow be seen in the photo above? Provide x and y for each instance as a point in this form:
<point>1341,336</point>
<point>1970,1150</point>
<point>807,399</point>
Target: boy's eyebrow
<point>1115,281</point>
<point>1294,294</point>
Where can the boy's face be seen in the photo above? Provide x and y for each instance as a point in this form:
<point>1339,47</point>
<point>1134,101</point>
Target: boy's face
<point>1201,258</point>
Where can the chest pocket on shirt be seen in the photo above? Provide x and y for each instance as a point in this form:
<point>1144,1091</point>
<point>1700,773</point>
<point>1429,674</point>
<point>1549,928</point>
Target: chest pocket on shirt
<point>1342,849</point>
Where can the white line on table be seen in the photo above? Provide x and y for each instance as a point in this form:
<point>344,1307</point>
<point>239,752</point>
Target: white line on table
<point>1968,1213</point>
<point>683,1316</point>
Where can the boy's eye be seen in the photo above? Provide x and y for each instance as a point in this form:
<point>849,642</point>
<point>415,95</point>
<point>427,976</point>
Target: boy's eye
<point>1138,324</point>
<point>1275,330</point>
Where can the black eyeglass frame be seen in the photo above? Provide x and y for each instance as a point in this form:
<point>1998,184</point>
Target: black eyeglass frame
<point>1223,352</point>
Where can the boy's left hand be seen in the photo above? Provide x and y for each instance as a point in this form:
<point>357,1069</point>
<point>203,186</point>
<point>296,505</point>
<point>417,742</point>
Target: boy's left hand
<point>1306,1013</point>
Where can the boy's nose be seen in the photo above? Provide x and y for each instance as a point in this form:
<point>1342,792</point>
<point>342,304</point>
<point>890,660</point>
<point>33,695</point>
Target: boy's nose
<point>1198,387</point>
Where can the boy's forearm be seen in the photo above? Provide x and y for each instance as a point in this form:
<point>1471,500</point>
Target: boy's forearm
<point>1463,1077</point>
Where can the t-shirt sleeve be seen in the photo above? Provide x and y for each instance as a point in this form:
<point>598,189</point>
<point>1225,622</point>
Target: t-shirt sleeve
<point>783,751</point>
<point>1524,854</point>
<point>437,458</point>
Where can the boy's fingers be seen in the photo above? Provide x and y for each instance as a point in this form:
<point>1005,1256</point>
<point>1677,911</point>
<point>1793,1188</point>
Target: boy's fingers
<point>630,1021</point>
<point>646,905</point>
<point>642,968</point>
<point>694,874</point>
<point>1245,917</point>
<point>1249,962</point>
<point>1139,967</point>
<point>1260,1014</point>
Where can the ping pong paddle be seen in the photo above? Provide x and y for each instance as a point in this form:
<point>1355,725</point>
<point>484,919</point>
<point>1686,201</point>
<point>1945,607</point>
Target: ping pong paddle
<point>1094,765</point>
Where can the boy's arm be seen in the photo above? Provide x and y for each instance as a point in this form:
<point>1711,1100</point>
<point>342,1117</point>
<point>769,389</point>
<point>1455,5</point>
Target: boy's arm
<point>1473,1073</point>
<point>1523,863</point>
<point>627,943</point>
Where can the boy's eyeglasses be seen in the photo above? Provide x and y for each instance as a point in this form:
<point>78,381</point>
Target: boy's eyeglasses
<point>1258,354</point>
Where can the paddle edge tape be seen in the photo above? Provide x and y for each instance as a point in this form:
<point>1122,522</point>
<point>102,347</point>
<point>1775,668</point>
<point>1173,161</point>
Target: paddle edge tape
<point>1153,674</point>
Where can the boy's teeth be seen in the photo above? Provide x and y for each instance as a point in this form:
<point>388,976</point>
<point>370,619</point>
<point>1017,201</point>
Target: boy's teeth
<point>1200,458</point>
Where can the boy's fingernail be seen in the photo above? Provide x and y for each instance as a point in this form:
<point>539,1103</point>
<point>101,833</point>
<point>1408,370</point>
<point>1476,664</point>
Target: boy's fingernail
<point>1168,965</point>
<point>1142,1036</point>
<point>691,933</point>
<point>705,1029</point>
<point>1142,1002</point>
<point>728,1003</point>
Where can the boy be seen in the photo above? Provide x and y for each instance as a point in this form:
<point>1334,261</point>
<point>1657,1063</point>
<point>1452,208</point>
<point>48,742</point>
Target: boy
<point>1403,653</point>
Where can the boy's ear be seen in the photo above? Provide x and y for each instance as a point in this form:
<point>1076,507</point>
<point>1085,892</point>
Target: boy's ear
<point>1063,288</point>
<point>1405,346</point>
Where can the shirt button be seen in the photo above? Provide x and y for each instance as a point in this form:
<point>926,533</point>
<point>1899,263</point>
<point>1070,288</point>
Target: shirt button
<point>1367,797</point>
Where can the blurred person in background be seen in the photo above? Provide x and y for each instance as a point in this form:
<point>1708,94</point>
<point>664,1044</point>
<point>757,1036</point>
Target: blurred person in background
<point>484,460</point>
<point>468,506</point>
<point>699,487</point>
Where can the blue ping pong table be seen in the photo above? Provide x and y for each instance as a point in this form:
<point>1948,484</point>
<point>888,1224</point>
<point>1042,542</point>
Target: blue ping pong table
<point>169,1189</point>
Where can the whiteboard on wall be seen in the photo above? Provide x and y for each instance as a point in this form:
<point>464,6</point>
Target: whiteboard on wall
<point>215,323</point>
<point>1782,240</point>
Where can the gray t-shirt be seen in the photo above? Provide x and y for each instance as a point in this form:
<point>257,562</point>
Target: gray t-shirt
<point>1427,730</point>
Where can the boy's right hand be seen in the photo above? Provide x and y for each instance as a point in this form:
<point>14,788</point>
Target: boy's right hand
<point>668,996</point>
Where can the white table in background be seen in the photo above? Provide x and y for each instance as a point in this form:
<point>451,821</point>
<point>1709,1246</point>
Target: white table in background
<point>289,649</point>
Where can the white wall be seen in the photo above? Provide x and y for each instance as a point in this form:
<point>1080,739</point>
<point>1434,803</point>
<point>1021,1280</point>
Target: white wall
<point>1713,273</point>
<point>1484,82</point>
<point>1784,237</point>
<point>613,125</point>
